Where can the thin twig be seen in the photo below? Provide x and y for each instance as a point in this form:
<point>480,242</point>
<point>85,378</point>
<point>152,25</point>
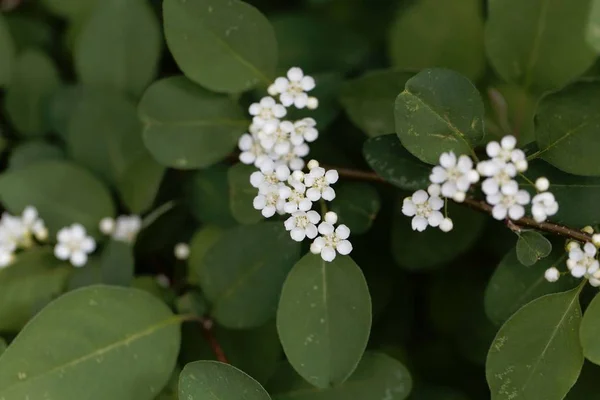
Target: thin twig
<point>207,325</point>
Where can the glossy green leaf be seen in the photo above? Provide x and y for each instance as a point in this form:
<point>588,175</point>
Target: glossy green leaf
<point>566,128</point>
<point>237,39</point>
<point>212,380</point>
<point>324,319</point>
<point>242,193</point>
<point>125,341</point>
<point>369,99</point>
<point>540,43</point>
<point>60,106</point>
<point>128,34</point>
<point>34,79</point>
<point>3,345</point>
<point>48,186</point>
<point>377,376</point>
<point>33,151</point>
<point>357,205</point>
<point>513,284</point>
<point>7,53</point>
<point>117,263</point>
<point>590,328</point>
<point>139,183</point>
<point>71,9</point>
<point>520,109</point>
<point>188,127</point>
<point>532,247</point>
<point>438,33</point>
<point>201,242</point>
<point>439,110</point>
<point>104,134</point>
<point>386,156</point>
<point>244,285</point>
<point>35,278</point>
<point>208,191</point>
<point>536,354</point>
<point>414,250</point>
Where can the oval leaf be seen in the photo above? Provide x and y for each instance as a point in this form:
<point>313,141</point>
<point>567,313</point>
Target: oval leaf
<point>324,319</point>
<point>212,380</point>
<point>33,151</point>
<point>48,186</point>
<point>140,182</point>
<point>224,46</point>
<point>117,264</point>
<point>244,285</point>
<point>357,205</point>
<point>536,354</point>
<point>208,192</point>
<point>590,329</point>
<point>242,193</point>
<point>189,127</point>
<point>439,110</point>
<point>124,340</point>
<point>532,247</point>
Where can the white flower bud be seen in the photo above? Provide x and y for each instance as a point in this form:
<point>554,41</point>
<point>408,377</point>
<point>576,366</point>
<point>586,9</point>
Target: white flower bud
<point>596,239</point>
<point>552,274</point>
<point>313,164</point>
<point>588,229</point>
<point>107,225</point>
<point>331,217</point>
<point>446,225</point>
<point>572,245</point>
<point>542,184</point>
<point>312,103</point>
<point>182,251</point>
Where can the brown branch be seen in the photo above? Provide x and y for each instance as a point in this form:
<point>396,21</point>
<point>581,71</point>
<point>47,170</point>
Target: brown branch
<point>209,334</point>
<point>479,205</point>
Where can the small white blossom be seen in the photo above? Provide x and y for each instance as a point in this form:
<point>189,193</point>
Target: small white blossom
<point>13,233</point>
<point>276,137</point>
<point>266,111</point>
<point>295,199</point>
<point>318,182</point>
<point>269,174</point>
<point>509,202</point>
<point>424,210</point>
<point>454,175</point>
<point>126,228</point>
<point>74,245</point>
<point>304,130</point>
<point>181,251</point>
<point>446,225</point>
<point>251,149</point>
<point>292,90</point>
<point>552,274</point>
<point>269,200</point>
<point>505,152</point>
<point>107,225</point>
<point>303,224</point>
<point>33,223</point>
<point>582,262</point>
<point>499,174</point>
<point>331,240</point>
<point>542,184</point>
<point>543,205</point>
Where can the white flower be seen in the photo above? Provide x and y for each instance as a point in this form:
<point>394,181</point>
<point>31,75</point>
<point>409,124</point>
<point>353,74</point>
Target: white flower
<point>292,90</point>
<point>509,201</point>
<point>582,262</point>
<point>33,223</point>
<point>423,209</point>
<point>318,182</point>
<point>331,240</point>
<point>251,149</point>
<point>294,159</point>
<point>499,174</point>
<point>269,200</point>
<point>302,224</point>
<point>181,251</point>
<point>127,228</point>
<point>269,174</point>
<point>454,176</point>
<point>543,205</point>
<point>276,137</point>
<point>295,198</point>
<point>304,130</point>
<point>505,152</point>
<point>552,274</point>
<point>74,245</point>
<point>266,111</point>
<point>13,233</point>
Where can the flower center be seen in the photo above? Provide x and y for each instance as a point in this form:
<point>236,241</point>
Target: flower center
<point>295,88</point>
<point>509,201</point>
<point>331,240</point>
<point>424,209</point>
<point>302,221</point>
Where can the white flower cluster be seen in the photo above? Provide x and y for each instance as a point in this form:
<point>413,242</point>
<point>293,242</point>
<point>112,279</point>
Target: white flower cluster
<point>582,262</point>
<point>18,232</point>
<point>277,147</point>
<point>74,245</point>
<point>454,176</point>
<point>124,229</point>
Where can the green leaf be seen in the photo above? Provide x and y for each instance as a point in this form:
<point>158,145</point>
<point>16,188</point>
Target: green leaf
<point>357,205</point>
<point>49,186</point>
<point>536,354</point>
<point>513,284</point>
<point>33,151</point>
<point>438,33</point>
<point>237,39</point>
<point>7,53</point>
<point>244,285</point>
<point>34,79</point>
<point>377,376</point>
<point>324,319</point>
<point>117,264</point>
<point>30,31</point>
<point>128,34</point>
<point>532,247</point>
<point>188,127</point>
<point>414,250</point>
<point>104,134</point>
<point>35,278</point>
<point>566,128</point>
<point>192,303</point>
<point>140,182</point>
<point>369,99</point>
<point>124,341</point>
<point>3,345</point>
<point>59,107</point>
<point>436,393</point>
<point>520,106</point>
<point>386,156</point>
<point>71,9</point>
<point>439,110</point>
<point>202,241</point>
<point>212,380</point>
<point>538,44</point>
<point>242,193</point>
<point>208,192</point>
<point>590,328</point>
<point>593,27</point>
